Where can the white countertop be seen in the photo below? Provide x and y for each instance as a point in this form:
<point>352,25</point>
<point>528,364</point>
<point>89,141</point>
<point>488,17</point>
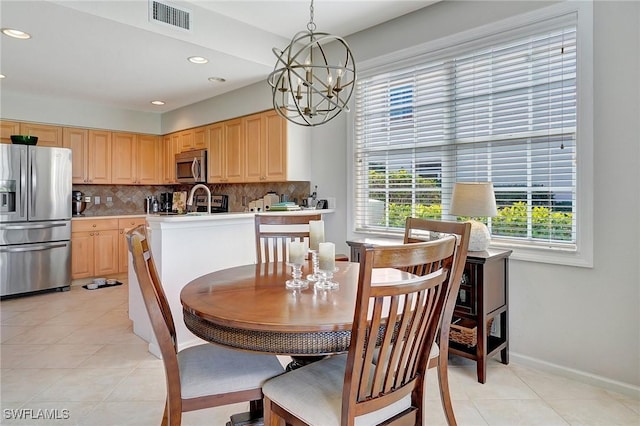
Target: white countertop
<point>202,217</point>
<point>115,216</point>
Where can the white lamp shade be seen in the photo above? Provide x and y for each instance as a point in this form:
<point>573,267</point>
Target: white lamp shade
<point>473,199</point>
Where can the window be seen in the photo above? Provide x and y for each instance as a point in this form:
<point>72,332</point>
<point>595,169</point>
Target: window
<point>502,109</point>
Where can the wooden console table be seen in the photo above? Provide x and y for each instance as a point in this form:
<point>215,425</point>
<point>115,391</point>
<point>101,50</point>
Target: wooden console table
<point>483,295</point>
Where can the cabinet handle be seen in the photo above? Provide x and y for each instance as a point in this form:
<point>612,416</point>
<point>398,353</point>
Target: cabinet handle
<point>94,225</point>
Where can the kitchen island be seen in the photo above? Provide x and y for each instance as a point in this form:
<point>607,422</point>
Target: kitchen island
<point>185,247</point>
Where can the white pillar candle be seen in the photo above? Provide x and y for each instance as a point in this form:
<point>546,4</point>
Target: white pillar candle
<point>296,253</point>
<point>316,233</point>
<point>327,256</point>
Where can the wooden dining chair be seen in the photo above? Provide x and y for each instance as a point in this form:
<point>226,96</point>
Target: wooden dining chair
<point>398,324</point>
<point>420,230</point>
<point>201,376</point>
<point>273,233</point>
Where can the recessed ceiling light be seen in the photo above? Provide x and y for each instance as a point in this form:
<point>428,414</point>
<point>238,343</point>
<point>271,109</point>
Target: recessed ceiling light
<point>1,75</point>
<point>16,33</point>
<point>157,102</point>
<point>198,60</point>
<point>217,79</point>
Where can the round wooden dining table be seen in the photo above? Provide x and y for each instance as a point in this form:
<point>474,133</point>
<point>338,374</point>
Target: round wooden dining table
<point>249,307</point>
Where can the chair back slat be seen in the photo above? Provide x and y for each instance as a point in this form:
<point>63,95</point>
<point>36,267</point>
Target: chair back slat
<point>398,321</point>
<point>275,232</point>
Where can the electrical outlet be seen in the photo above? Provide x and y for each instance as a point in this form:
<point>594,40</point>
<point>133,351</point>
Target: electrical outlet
<point>87,199</point>
<point>96,200</point>
<point>109,199</point>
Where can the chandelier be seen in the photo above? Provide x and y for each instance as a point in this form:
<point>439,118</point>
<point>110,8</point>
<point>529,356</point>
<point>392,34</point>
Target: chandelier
<point>312,82</point>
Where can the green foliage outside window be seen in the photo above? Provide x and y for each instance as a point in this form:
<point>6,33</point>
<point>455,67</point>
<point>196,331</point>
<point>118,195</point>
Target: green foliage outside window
<point>421,198</point>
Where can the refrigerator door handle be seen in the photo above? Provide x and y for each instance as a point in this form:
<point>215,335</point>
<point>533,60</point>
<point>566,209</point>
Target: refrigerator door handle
<point>23,185</point>
<point>32,226</point>
<point>10,249</point>
<point>34,185</point>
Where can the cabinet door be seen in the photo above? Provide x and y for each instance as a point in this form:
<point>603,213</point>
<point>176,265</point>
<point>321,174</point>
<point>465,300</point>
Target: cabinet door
<point>123,253</point>
<point>106,252</point>
<point>235,150</point>
<point>200,138</point>
<point>123,158</point>
<point>8,128</point>
<point>78,141</point>
<point>99,158</point>
<point>254,146</point>
<point>47,135</point>
<point>186,140</point>
<point>148,160</point>
<point>217,155</point>
<point>169,157</point>
<point>82,255</point>
<point>274,147</point>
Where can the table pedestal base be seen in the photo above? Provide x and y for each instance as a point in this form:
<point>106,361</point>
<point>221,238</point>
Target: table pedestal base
<point>253,417</point>
<point>301,361</point>
<point>245,419</point>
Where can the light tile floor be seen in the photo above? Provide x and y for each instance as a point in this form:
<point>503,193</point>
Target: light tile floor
<point>74,356</point>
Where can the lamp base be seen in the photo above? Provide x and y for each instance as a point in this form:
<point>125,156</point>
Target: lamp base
<point>480,237</point>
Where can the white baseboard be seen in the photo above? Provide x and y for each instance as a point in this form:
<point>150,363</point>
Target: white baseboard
<point>580,376</point>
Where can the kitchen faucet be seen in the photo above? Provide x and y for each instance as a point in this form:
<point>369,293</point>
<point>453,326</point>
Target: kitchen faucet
<point>193,191</point>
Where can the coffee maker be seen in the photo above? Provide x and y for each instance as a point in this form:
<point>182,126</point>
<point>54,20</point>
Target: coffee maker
<point>77,203</point>
<point>166,201</point>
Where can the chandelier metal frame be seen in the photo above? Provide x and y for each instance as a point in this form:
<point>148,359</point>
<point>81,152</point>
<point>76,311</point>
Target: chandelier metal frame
<point>312,82</point>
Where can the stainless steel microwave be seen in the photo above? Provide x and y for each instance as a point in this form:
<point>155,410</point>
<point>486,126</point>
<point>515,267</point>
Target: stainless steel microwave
<point>191,166</point>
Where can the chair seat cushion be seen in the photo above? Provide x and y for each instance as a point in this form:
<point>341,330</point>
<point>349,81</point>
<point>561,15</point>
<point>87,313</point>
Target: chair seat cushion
<point>211,369</point>
<point>314,394</point>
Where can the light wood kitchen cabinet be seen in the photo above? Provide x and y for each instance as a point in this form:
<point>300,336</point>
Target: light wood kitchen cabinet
<point>186,140</point>
<point>99,157</point>
<point>124,225</point>
<point>227,149</point>
<point>135,159</point>
<point>149,166</point>
<point>200,140</point>
<point>94,248</point>
<point>91,155</point>
<point>170,148</point>
<point>266,152</point>
<point>216,167</point>
<point>123,158</point>
<point>193,139</point>
<point>47,135</point>
<point>8,128</point>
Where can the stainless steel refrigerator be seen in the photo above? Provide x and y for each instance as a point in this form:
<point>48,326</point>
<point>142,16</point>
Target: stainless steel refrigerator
<point>35,218</point>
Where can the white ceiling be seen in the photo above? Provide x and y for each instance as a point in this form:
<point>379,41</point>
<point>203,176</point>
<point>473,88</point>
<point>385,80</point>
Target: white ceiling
<point>108,52</point>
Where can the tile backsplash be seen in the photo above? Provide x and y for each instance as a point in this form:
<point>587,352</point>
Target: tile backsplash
<point>130,199</point>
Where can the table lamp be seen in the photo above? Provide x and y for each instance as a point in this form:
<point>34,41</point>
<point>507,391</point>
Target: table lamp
<point>475,199</point>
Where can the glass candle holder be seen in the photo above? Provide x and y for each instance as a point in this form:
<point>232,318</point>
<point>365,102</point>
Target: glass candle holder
<point>296,281</point>
<point>314,264</point>
<point>325,280</point>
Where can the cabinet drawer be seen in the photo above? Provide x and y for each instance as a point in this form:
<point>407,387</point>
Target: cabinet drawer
<point>93,225</point>
<point>130,222</point>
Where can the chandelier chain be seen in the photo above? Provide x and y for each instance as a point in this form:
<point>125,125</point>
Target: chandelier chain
<point>311,26</point>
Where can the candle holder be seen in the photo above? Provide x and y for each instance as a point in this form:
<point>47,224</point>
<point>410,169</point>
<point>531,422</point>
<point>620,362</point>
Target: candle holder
<point>315,265</point>
<point>325,280</point>
<point>296,274</point>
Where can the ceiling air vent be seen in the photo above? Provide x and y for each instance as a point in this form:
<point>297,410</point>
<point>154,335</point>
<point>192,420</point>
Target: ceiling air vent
<point>166,14</point>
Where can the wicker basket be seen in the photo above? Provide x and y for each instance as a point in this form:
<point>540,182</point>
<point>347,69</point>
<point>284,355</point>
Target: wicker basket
<point>464,332</point>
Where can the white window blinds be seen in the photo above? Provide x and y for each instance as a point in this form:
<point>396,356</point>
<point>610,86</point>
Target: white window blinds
<point>502,111</point>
